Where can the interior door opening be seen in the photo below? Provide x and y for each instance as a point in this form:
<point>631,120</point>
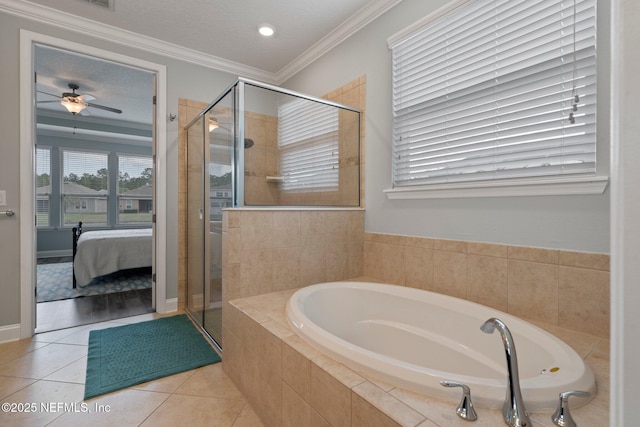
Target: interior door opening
<point>95,172</point>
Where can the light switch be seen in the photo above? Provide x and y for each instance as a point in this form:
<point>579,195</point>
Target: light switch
<point>3,197</point>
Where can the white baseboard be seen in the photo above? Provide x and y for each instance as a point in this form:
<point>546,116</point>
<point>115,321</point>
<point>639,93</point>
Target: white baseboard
<point>55,254</point>
<point>171,305</point>
<point>9,333</point>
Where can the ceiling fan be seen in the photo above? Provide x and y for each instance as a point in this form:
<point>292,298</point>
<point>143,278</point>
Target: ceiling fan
<point>76,103</point>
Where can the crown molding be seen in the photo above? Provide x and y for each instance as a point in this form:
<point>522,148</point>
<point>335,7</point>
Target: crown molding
<point>67,21</point>
<point>54,17</point>
<point>355,23</point>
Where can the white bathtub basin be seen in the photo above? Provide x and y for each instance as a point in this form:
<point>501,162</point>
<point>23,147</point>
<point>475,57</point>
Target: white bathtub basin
<point>414,339</point>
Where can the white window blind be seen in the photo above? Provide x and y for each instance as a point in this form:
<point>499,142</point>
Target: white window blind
<point>43,186</point>
<point>308,143</point>
<point>488,90</point>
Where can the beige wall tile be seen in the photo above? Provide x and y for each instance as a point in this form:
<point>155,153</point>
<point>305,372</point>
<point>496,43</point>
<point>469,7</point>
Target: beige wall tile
<point>487,281</point>
<point>488,249</point>
<point>450,245</point>
<point>371,406</point>
<point>533,291</point>
<point>418,242</point>
<point>317,420</point>
<point>295,411</point>
<point>584,260</point>
<point>313,227</point>
<point>340,372</point>
<point>312,264</point>
<point>256,229</point>
<point>384,262</point>
<point>256,272</point>
<point>365,414</point>
<point>296,371</point>
<point>286,268</point>
<point>418,267</point>
<point>233,244</point>
<point>337,261</point>
<point>330,398</point>
<point>525,253</point>
<point>269,397</point>
<point>286,229</point>
<point>450,273</point>
<point>356,263</point>
<point>584,300</point>
<point>234,217</point>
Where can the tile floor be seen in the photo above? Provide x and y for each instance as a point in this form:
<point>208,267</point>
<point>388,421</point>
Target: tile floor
<point>49,371</point>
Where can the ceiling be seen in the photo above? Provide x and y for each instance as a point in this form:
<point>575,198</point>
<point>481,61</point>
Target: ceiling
<point>228,29</point>
<point>110,84</point>
<point>219,33</point>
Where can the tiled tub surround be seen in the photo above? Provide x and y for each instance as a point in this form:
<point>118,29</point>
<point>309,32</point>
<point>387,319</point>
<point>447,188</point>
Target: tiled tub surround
<point>290,384</point>
<point>561,288</point>
<point>274,249</point>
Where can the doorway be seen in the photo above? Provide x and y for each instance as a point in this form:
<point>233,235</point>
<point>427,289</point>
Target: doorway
<point>111,207</point>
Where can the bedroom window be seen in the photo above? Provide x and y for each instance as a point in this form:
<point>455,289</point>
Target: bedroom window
<point>495,90</point>
<point>308,143</point>
<point>85,187</point>
<point>43,186</point>
<point>135,189</point>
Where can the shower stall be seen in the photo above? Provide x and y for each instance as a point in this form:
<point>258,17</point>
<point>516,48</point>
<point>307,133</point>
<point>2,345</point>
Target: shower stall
<point>260,145</point>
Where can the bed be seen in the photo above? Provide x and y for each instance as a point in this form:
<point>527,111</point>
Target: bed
<point>96,253</point>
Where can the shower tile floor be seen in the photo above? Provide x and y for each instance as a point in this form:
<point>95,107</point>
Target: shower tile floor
<point>50,368</point>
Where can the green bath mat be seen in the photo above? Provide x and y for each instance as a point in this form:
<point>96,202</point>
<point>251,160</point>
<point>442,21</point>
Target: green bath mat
<point>132,354</point>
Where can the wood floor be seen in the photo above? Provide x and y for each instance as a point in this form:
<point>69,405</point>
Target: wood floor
<point>92,309</point>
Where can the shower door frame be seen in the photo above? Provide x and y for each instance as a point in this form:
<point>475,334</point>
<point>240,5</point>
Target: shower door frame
<point>238,92</point>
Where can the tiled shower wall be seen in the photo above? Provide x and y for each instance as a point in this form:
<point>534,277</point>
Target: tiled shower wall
<point>562,288</point>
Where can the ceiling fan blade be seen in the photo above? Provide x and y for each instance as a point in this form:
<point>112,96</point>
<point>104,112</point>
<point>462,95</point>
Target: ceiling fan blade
<point>47,93</point>
<point>102,107</point>
<point>46,102</point>
<point>86,97</point>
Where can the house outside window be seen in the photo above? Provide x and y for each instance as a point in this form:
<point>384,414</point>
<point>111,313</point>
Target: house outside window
<point>135,189</point>
<point>85,183</point>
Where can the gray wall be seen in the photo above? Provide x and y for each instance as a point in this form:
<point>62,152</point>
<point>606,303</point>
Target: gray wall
<point>184,80</point>
<point>564,222</point>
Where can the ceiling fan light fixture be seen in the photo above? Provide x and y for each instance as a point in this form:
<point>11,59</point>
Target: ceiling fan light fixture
<point>73,106</point>
<point>213,124</point>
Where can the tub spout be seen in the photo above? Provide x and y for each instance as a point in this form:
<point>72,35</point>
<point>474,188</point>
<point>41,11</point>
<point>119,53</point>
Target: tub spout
<point>514,412</point>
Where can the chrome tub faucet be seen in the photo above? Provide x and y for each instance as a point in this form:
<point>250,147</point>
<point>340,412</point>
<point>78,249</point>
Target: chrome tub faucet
<point>513,410</point>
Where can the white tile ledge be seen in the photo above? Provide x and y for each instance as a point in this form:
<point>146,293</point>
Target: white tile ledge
<point>579,185</point>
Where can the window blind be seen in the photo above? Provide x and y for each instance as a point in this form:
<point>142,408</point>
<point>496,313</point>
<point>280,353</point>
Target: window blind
<point>488,90</point>
<point>43,186</point>
<point>308,143</point>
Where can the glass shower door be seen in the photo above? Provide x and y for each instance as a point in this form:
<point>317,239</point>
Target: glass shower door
<point>209,191</point>
<point>195,247</point>
<point>219,195</point>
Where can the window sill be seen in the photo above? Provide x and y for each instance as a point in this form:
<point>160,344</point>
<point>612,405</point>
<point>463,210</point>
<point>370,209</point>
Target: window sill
<point>512,188</point>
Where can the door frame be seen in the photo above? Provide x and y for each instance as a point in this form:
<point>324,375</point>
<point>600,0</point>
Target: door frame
<point>27,168</point>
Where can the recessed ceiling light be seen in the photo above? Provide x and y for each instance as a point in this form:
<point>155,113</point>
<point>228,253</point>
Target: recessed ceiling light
<point>266,30</point>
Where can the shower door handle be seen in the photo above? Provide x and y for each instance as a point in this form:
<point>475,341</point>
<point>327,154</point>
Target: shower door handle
<point>201,213</point>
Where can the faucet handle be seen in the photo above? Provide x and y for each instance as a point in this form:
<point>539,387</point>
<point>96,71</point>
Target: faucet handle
<point>465,408</point>
<point>562,417</point>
